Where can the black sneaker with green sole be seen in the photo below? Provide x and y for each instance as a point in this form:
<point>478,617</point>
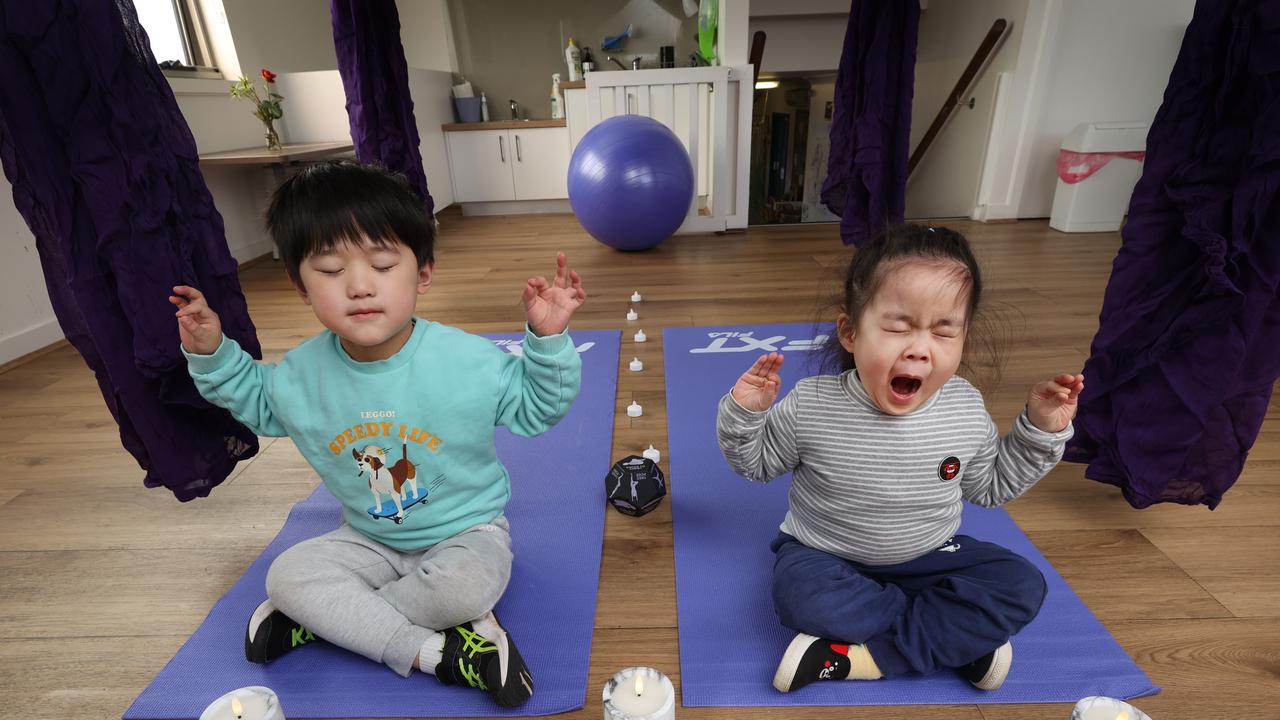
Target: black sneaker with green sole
<point>273,634</point>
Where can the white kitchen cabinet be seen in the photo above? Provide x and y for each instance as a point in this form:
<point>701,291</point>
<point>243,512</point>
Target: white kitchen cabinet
<point>541,170</point>
<point>509,164</point>
<point>480,162</point>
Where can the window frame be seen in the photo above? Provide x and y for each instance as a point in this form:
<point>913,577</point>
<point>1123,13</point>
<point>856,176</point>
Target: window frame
<point>195,39</point>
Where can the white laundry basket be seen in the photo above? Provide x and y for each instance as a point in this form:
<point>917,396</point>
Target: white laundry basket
<point>1097,168</point>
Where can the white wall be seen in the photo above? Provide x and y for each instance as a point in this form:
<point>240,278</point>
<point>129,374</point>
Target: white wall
<point>945,183</point>
<point>426,35</point>
<point>432,107</point>
<point>26,316</point>
<point>800,44</point>
<point>281,35</point>
<point>1111,61</point>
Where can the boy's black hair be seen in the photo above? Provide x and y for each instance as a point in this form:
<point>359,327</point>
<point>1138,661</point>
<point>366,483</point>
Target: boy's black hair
<point>338,201</point>
<point>897,244</point>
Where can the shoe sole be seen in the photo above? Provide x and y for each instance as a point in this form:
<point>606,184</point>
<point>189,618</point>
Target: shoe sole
<point>260,615</point>
<point>999,669</point>
<point>786,673</point>
<point>510,660</point>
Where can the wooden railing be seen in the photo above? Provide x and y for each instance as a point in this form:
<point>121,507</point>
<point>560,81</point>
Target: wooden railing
<point>957,93</point>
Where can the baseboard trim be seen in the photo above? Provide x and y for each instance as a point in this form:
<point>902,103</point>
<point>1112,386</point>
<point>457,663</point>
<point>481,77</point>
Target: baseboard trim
<point>25,346</point>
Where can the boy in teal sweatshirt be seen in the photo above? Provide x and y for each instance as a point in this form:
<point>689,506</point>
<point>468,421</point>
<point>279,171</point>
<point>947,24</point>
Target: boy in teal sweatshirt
<point>397,416</point>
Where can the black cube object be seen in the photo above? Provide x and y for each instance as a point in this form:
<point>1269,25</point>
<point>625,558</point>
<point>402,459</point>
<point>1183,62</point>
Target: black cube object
<point>635,485</point>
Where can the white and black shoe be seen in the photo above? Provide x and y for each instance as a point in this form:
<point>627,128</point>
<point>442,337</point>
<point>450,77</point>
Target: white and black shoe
<point>809,659</point>
<point>273,634</point>
<point>989,671</point>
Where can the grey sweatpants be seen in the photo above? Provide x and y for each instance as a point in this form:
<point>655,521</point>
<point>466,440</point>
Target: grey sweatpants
<point>383,603</point>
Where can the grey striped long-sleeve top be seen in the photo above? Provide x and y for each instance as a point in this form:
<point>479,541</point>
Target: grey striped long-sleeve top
<point>881,489</point>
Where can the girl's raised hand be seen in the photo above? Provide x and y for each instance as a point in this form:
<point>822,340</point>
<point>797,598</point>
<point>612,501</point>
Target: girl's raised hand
<point>198,325</point>
<point>758,387</point>
<point>1051,404</point>
<point>549,305</point>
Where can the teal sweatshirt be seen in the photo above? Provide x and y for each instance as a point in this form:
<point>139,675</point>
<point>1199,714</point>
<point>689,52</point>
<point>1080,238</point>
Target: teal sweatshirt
<point>406,443</point>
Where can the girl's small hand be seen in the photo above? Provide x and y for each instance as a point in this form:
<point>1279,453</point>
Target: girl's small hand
<point>758,387</point>
<point>198,325</point>
<point>549,305</point>
<point>1052,403</point>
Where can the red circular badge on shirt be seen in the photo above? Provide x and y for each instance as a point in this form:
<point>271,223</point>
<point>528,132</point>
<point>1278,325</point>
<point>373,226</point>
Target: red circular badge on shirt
<point>948,469</point>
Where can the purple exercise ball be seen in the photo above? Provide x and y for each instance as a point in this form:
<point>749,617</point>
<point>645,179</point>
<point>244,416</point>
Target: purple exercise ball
<point>630,182</point>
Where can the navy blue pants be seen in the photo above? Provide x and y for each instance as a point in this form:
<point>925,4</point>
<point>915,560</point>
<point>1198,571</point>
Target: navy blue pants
<point>943,610</point>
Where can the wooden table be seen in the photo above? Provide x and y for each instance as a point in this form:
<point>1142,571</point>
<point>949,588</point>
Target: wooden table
<point>279,160</point>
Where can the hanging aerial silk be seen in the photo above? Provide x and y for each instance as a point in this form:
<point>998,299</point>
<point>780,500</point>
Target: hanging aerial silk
<point>105,172</point>
<point>366,35</point>
<point>866,181</point>
<point>1188,343</point>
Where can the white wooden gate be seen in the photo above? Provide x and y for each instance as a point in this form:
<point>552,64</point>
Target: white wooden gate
<point>709,109</point>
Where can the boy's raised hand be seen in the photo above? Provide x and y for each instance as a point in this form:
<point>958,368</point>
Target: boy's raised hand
<point>198,325</point>
<point>549,305</point>
<point>758,387</point>
<point>1051,404</point>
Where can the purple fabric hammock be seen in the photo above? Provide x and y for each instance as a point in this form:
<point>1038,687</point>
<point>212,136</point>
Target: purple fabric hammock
<point>1188,343</point>
<point>375,76</point>
<point>866,181</point>
<point>105,173</point>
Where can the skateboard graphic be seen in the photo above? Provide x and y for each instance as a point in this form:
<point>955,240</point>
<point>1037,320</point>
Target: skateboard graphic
<point>388,507</point>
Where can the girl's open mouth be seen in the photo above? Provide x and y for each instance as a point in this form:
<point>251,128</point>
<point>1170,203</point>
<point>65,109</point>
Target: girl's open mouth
<point>903,387</point>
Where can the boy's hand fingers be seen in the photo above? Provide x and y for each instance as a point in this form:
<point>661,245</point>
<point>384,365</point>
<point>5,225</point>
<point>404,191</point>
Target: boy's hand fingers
<point>188,292</point>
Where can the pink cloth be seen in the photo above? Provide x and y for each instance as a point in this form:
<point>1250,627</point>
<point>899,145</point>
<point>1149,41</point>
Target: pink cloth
<point>1075,166</point>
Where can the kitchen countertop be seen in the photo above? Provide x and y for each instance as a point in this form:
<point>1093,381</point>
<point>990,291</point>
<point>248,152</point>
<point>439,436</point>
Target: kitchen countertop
<point>502,125</point>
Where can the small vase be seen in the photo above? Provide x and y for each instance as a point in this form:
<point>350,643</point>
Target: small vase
<point>273,138</point>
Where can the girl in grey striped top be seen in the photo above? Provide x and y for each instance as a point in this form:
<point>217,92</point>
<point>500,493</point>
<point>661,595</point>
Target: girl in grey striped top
<point>868,567</point>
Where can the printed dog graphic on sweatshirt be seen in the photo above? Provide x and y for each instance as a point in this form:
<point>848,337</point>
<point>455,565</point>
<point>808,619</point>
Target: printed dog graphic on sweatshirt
<point>399,481</point>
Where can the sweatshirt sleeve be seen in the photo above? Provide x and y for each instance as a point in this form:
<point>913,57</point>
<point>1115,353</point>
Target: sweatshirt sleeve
<point>232,379</point>
<point>1008,466</point>
<point>759,446</point>
<point>538,386</point>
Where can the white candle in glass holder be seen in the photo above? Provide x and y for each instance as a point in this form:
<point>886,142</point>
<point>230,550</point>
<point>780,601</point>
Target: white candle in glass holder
<point>247,703</point>
<point>639,693</point>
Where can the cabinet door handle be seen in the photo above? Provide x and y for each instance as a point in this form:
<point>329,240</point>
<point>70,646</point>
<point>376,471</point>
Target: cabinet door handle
<point>518,157</point>
<point>502,152</point>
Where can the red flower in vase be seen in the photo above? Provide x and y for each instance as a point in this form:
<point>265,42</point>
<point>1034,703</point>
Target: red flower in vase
<point>268,75</point>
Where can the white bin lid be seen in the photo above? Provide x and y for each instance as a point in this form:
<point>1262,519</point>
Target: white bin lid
<point>1107,137</point>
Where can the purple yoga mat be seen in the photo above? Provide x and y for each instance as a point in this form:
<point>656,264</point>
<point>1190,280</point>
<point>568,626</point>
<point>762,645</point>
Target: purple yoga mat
<point>731,641</point>
<point>557,522</point>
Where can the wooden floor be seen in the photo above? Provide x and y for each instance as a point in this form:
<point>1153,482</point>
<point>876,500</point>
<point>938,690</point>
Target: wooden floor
<point>103,580</point>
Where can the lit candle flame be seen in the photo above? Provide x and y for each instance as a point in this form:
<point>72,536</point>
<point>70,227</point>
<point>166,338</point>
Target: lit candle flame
<point>1124,715</point>
<point>236,708</point>
<point>640,685</point>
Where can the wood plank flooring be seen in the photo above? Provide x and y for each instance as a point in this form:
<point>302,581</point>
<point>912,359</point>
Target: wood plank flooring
<point>99,593</point>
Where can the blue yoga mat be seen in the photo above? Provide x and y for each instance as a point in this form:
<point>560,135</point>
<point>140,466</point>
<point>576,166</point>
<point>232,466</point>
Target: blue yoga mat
<point>731,642</point>
<point>549,606</point>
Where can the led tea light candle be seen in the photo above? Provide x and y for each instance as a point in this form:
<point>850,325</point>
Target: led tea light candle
<point>632,314</point>
<point>639,693</point>
<point>636,365</point>
<point>247,703</point>
<point>640,336</point>
<point>635,296</point>
<point>634,409</point>
<point>1105,708</point>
